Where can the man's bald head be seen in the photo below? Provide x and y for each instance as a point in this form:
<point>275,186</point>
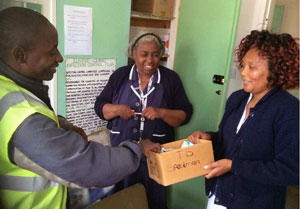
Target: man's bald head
<point>19,27</point>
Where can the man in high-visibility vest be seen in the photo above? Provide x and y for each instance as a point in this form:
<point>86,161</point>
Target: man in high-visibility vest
<point>38,158</point>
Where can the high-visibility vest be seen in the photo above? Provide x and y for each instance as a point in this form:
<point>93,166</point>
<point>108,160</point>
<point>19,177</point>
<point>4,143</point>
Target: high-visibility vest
<point>21,188</point>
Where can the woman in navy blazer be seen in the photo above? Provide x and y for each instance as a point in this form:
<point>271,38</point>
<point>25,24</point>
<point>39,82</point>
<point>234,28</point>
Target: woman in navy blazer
<point>257,145</point>
<point>144,101</point>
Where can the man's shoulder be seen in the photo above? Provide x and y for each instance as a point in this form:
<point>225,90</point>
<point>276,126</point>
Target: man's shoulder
<point>11,85</point>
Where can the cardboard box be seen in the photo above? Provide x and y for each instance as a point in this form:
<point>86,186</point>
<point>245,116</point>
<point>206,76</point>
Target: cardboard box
<point>180,164</point>
<point>160,8</point>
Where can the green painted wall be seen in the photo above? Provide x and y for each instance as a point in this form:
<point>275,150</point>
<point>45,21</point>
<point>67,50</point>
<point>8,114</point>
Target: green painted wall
<point>111,21</point>
<point>295,92</point>
<point>35,7</point>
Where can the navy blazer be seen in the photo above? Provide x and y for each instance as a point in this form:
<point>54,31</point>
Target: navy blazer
<point>168,93</point>
<point>264,153</point>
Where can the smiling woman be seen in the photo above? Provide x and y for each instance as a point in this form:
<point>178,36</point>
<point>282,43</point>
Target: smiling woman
<point>257,145</point>
<point>144,101</point>
<point>254,72</point>
<point>281,52</point>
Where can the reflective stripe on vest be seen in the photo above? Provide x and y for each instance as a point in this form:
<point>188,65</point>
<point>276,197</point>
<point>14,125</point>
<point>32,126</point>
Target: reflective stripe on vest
<point>25,184</point>
<point>21,188</point>
<point>14,98</point>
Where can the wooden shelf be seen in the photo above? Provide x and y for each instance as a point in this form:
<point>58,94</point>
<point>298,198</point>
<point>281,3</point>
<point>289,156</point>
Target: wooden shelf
<point>148,16</point>
<point>151,23</point>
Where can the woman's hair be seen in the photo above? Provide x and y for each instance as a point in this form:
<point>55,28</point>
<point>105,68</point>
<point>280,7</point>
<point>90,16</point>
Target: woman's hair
<point>282,52</point>
<point>146,37</point>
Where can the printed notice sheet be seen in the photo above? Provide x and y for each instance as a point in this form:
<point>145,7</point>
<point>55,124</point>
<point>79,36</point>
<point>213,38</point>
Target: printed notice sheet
<point>85,79</point>
<point>78,27</point>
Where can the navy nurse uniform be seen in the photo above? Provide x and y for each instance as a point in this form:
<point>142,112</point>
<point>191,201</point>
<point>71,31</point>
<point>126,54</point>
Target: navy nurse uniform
<point>164,90</point>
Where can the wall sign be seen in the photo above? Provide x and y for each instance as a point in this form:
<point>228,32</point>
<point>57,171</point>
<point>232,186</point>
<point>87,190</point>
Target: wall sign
<point>85,79</point>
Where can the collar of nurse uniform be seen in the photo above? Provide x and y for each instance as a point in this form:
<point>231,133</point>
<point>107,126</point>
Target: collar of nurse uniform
<point>133,75</point>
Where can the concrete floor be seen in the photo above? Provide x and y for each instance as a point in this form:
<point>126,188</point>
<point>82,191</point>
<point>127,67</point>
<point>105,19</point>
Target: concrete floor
<point>292,200</point>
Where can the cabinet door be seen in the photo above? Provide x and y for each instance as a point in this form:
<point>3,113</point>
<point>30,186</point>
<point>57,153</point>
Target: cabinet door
<point>204,48</point>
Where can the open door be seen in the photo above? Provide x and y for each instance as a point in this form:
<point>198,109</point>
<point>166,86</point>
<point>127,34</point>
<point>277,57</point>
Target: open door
<point>203,56</point>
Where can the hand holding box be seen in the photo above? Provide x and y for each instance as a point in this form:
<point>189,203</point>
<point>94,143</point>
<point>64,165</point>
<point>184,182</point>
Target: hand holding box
<point>180,164</point>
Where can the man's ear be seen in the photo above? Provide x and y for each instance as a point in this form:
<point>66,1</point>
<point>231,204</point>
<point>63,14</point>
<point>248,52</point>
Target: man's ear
<point>19,54</point>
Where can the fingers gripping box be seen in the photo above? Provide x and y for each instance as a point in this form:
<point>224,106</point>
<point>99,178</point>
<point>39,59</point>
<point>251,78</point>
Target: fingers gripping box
<point>180,164</point>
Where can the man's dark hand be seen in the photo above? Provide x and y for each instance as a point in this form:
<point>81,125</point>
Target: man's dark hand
<point>148,146</point>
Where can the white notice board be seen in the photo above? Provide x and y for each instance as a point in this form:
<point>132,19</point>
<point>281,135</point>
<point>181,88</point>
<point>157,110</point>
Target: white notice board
<point>78,27</point>
<point>85,79</point>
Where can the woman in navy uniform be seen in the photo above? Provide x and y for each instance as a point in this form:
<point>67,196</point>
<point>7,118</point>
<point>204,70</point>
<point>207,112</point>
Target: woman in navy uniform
<point>257,145</point>
<point>144,101</point>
